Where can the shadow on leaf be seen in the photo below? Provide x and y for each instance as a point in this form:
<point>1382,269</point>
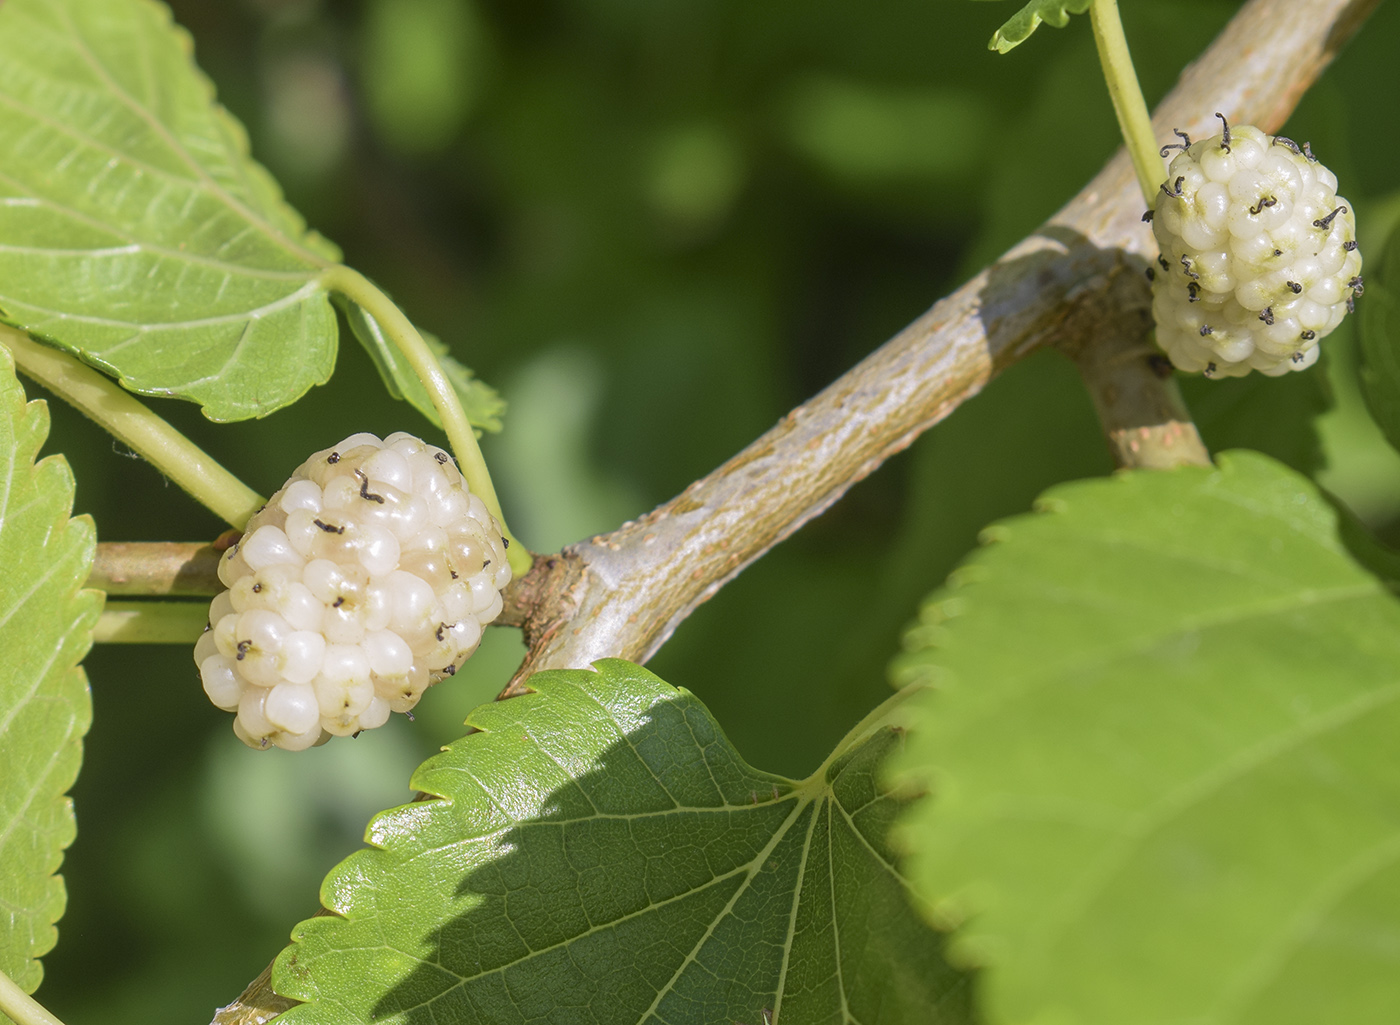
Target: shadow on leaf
<point>601,853</point>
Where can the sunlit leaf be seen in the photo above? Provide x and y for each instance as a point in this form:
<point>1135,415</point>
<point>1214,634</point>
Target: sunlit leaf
<point>600,853</point>
<point>135,230</point>
<point>1160,745</point>
<point>45,629</point>
<point>1025,21</point>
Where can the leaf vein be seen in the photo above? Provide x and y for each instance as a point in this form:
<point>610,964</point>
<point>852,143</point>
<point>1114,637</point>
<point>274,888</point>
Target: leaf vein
<point>753,869</point>
<point>791,936</point>
<point>182,153</point>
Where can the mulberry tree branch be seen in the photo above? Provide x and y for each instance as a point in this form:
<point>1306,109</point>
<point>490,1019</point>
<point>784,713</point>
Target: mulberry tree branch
<point>1076,283</point>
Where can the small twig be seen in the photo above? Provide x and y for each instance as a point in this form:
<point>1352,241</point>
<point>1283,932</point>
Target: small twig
<point>1126,94</point>
<point>1131,382</point>
<point>257,1004</point>
<point>157,569</point>
<point>189,569</point>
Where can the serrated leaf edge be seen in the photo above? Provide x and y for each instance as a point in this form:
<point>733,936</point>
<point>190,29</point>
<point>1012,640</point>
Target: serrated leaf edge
<point>84,606</point>
<point>955,909</point>
<point>814,790</point>
<point>1022,25</point>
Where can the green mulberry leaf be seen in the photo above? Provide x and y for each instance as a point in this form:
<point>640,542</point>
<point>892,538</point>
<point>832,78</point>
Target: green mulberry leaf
<point>600,853</point>
<point>45,629</point>
<point>135,230</point>
<point>1161,749</point>
<point>1019,27</point>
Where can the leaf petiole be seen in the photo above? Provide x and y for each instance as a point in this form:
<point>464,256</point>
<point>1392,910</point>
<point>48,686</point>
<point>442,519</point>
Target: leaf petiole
<point>1133,119</point>
<point>22,1008</point>
<point>400,330</point>
<point>103,400</point>
<point>151,622</point>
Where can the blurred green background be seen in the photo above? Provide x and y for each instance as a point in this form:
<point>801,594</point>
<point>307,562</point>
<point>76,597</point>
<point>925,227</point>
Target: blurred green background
<point>655,225</point>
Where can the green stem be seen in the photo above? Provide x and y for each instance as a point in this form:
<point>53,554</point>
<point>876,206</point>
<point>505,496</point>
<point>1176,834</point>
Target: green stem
<point>22,1008</point>
<point>151,622</point>
<point>103,400</point>
<point>400,330</point>
<point>1133,118</point>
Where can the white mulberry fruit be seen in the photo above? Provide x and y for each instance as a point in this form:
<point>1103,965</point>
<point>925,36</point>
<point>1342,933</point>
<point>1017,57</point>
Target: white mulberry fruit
<point>366,579</point>
<point>1258,255</point>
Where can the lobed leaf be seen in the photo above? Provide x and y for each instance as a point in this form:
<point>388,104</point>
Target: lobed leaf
<point>600,853</point>
<point>1161,749</point>
<point>1380,341</point>
<point>1019,27</point>
<point>45,629</point>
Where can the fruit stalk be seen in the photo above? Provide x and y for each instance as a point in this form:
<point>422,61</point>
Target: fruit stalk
<point>1133,119</point>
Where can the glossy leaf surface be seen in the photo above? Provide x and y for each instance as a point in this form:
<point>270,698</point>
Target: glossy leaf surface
<point>1161,752</point>
<point>45,629</point>
<point>601,853</point>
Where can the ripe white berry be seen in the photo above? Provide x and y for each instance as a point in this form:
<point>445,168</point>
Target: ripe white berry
<point>361,583</point>
<point>1259,258</point>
